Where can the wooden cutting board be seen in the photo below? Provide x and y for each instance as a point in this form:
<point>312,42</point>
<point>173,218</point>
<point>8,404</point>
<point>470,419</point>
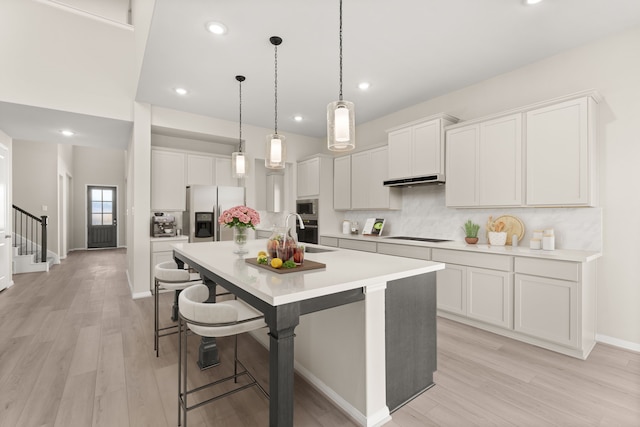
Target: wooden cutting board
<point>306,266</point>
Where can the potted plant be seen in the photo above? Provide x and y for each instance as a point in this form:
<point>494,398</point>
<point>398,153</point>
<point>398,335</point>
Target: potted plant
<point>471,232</point>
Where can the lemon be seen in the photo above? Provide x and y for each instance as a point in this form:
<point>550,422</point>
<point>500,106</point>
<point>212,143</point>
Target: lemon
<point>262,253</point>
<point>276,263</point>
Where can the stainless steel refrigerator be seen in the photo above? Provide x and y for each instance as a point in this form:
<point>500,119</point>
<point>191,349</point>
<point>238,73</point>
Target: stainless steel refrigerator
<point>205,203</point>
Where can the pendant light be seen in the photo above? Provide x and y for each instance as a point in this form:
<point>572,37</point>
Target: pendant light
<point>239,159</point>
<point>276,147</point>
<point>341,132</point>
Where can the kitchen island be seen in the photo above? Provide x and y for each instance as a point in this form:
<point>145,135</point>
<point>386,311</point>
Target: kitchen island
<point>353,287</point>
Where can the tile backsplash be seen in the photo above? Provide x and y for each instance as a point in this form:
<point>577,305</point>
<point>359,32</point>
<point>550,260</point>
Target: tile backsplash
<point>424,214</point>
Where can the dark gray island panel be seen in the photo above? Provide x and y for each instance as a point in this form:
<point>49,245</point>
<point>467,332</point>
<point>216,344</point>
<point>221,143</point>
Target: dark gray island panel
<point>410,316</point>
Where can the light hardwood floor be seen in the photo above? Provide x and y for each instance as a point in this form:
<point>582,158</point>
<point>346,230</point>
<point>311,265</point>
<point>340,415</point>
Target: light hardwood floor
<point>76,350</point>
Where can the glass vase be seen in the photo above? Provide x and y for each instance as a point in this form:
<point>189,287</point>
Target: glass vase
<point>240,239</point>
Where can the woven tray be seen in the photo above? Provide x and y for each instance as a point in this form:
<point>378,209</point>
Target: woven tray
<point>306,266</point>
<point>512,225</point>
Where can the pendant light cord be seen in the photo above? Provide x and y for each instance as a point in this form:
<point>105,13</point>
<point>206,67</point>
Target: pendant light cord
<point>240,91</point>
<point>276,89</point>
<point>340,50</point>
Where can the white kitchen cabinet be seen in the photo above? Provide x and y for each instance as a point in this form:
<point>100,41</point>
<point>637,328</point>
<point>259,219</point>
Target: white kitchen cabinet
<point>342,183</point>
<point>209,170</point>
<point>417,148</point>
<point>490,296</point>
<point>558,321</point>
<point>168,181</point>
<point>561,154</point>
<point>452,289</point>
<point>309,178</point>
<point>368,171</point>
<point>500,162</point>
<point>484,163</point>
<point>466,289</point>
<point>566,290</point>
<point>223,173</point>
<point>462,166</point>
<point>200,170</point>
<point>162,250</point>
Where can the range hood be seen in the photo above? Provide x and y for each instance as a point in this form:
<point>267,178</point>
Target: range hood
<point>416,180</point>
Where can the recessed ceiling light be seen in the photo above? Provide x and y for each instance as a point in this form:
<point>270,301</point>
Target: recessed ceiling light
<point>529,2</point>
<point>181,91</point>
<point>297,118</point>
<point>216,28</point>
<point>67,132</point>
<point>364,85</point>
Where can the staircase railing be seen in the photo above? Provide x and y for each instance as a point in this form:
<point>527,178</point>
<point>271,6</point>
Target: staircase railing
<point>30,232</point>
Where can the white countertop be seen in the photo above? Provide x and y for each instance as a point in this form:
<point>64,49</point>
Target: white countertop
<point>345,270</point>
<point>558,254</point>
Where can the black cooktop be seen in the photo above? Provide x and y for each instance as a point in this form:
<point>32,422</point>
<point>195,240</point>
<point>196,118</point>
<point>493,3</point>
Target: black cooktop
<point>419,239</point>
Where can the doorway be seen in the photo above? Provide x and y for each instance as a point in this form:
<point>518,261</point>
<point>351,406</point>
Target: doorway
<point>102,229</point>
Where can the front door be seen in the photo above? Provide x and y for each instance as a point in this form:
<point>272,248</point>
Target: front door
<point>101,217</point>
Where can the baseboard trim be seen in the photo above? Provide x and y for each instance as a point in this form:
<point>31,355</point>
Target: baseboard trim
<point>616,342</point>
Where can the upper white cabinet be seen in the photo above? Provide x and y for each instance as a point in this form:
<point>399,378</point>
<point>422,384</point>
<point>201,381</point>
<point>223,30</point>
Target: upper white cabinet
<point>209,170</point>
<point>223,173</point>
<point>368,171</point>
<point>342,183</point>
<point>200,170</point>
<point>550,146</point>
<point>561,154</point>
<point>462,166</point>
<point>417,148</point>
<point>485,163</point>
<point>168,186</point>
<point>309,178</point>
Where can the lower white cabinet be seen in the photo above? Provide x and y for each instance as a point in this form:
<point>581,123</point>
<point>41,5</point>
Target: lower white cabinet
<point>162,250</point>
<point>476,293</point>
<point>490,296</point>
<point>558,321</point>
<point>452,289</point>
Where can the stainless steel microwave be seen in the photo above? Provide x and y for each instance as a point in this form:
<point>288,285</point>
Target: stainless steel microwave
<point>307,208</point>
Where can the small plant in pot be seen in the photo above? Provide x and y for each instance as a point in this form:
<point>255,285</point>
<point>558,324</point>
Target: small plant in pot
<point>471,232</point>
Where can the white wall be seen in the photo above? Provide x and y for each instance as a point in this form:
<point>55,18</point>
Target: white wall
<point>94,166</point>
<point>35,183</point>
<point>611,66</point>
<point>88,68</point>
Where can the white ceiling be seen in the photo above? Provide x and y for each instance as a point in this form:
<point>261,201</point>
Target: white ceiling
<point>409,50</point>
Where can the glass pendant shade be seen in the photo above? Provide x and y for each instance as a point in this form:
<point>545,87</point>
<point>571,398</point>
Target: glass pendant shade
<point>238,165</point>
<point>341,129</point>
<point>276,151</point>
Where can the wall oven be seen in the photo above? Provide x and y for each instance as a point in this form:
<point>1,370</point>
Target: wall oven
<point>308,211</point>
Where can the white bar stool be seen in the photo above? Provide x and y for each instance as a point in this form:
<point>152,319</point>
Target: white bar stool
<point>168,277</point>
<point>220,319</point>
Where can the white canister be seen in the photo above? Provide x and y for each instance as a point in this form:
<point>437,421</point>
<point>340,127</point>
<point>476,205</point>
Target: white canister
<point>346,227</point>
<point>548,243</point>
<point>535,244</point>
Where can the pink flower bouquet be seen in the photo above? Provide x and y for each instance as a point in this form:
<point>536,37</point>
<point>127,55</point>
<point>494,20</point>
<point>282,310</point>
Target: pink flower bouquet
<point>240,216</point>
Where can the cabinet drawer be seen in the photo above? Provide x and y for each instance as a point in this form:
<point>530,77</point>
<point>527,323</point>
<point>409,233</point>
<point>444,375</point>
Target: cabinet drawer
<point>166,246</point>
<point>490,261</point>
<point>328,241</point>
<point>358,245</point>
<point>563,270</point>
<point>406,251</point>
